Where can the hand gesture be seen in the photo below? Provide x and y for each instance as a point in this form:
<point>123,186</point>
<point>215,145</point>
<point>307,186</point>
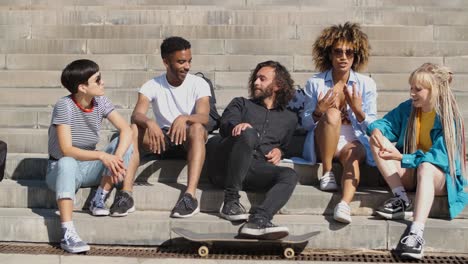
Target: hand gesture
<point>386,153</point>
<point>178,130</point>
<point>353,98</point>
<point>156,138</point>
<point>326,101</point>
<point>115,165</point>
<point>274,156</point>
<point>237,130</point>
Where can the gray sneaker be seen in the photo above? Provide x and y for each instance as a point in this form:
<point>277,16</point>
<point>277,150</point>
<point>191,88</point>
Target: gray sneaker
<point>187,206</point>
<point>260,227</point>
<point>233,211</point>
<point>72,243</point>
<point>123,204</point>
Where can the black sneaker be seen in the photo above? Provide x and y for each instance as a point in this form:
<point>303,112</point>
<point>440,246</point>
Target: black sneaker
<point>123,204</point>
<point>396,208</point>
<point>233,211</point>
<point>260,227</point>
<point>187,206</point>
<point>412,246</point>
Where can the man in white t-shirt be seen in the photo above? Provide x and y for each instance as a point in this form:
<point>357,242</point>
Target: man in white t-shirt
<point>180,103</point>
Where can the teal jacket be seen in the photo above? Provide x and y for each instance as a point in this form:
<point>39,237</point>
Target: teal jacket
<point>393,126</point>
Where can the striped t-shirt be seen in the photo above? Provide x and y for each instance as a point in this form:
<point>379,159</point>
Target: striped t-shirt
<point>85,126</point>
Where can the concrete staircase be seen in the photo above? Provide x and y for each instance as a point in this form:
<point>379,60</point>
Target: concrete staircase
<point>39,37</point>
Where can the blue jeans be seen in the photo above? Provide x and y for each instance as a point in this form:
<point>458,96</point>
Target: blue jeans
<point>66,175</point>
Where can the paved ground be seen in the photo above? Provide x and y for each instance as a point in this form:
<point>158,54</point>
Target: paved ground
<point>68,259</point>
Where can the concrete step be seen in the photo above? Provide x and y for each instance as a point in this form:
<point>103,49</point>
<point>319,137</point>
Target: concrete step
<point>154,228</point>
<point>265,32</point>
<point>121,98</point>
<point>158,196</point>
<point>216,15</point>
<point>46,88</point>
<point>126,99</point>
<point>224,62</point>
<point>400,47</point>
<point>23,166</point>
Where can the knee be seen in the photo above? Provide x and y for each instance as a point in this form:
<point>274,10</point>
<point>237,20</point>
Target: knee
<point>332,116</point>
<point>66,166</point>
<point>353,155</point>
<point>288,176</point>
<point>197,132</point>
<point>426,171</point>
<point>249,137</point>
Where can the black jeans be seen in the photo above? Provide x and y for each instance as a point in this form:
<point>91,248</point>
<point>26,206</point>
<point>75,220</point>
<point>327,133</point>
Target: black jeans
<point>233,163</point>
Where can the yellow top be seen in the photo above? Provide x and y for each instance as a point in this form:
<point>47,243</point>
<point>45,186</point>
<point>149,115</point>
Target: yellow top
<point>424,124</point>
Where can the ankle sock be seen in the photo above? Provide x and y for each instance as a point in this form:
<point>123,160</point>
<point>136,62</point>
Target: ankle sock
<point>67,226</point>
<point>400,192</point>
<point>417,228</point>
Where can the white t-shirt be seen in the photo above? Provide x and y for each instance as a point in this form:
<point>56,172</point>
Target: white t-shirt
<point>169,102</point>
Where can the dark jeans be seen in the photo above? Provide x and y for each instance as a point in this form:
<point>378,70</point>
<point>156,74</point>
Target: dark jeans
<point>234,164</point>
<point>3,153</point>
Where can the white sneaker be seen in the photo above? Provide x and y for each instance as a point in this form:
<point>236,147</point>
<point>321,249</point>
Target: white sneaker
<point>72,243</point>
<point>342,213</point>
<point>328,182</point>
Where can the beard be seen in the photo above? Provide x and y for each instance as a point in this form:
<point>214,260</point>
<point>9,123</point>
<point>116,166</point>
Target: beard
<point>261,95</point>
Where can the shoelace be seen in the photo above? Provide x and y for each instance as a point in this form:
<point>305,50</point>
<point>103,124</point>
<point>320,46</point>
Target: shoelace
<point>411,239</point>
<point>123,200</point>
<point>187,202</point>
<point>72,235</point>
<point>344,208</point>
<point>393,202</point>
<point>238,205</point>
<point>263,222</point>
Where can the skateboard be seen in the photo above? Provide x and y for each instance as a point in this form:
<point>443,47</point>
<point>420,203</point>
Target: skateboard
<point>290,244</point>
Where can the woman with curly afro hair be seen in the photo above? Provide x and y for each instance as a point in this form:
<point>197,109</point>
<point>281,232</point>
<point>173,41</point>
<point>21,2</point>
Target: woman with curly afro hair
<point>340,104</point>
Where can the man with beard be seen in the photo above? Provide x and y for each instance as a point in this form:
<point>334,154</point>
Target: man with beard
<point>254,135</point>
<point>180,103</point>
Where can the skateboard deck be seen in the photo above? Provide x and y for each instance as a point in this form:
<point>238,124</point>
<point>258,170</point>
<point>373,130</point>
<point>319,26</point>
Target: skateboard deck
<point>207,239</point>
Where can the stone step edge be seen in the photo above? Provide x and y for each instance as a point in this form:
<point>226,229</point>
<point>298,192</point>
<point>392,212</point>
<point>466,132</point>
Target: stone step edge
<point>150,228</point>
<point>305,200</point>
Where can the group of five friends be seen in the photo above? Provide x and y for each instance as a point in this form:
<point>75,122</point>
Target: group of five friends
<point>340,116</point>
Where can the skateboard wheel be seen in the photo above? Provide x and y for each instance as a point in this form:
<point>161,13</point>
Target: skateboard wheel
<point>288,253</point>
<point>203,251</point>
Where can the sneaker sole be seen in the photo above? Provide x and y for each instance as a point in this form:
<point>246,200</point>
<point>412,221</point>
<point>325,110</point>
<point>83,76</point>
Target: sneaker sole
<point>99,213</point>
<point>76,249</point>
<point>269,236</point>
<point>116,214</point>
<point>397,216</point>
<point>418,256</point>
<point>329,189</point>
<point>177,215</point>
<point>235,217</point>
<point>342,219</point>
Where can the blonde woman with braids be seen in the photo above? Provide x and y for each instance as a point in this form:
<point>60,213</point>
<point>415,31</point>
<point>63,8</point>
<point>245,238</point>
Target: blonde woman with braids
<point>429,154</point>
<point>340,103</point>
